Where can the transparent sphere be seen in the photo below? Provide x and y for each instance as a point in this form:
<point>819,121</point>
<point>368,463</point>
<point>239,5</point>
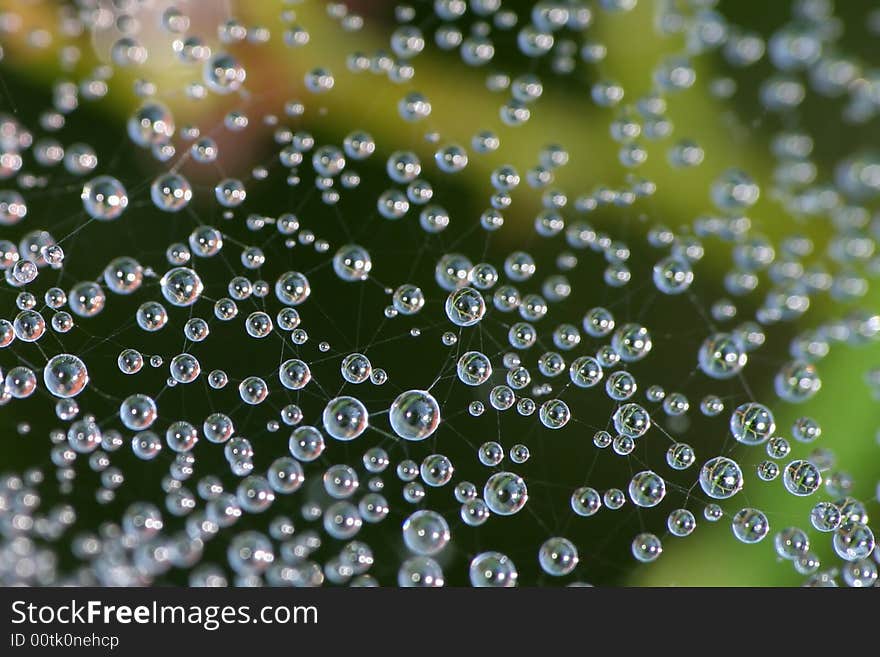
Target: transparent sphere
<point>342,520</point>
<point>801,478</point>
<point>408,299</point>
<point>680,456</point>
<point>223,73</point>
<point>735,190</point>
<point>250,553</point>
<point>306,443</point>
<point>465,306</point>
<point>340,481</point>
<point>825,517</point>
<point>586,501</point>
<point>492,569</point>
<point>29,326</point>
<point>152,123</point>
<point>292,288</point>
<point>426,532</point>
<point>631,420</point>
<point>554,414</point>
<point>752,423</point>
<point>185,368</point>
<point>253,390</point>
<point>345,418</point>
<point>86,299</point>
<point>171,192</point>
<point>797,382</point>
<point>138,412</point>
<point>632,342</point>
<point>414,415</point>
<point>181,286</point>
<point>474,512</point>
<point>647,489</point>
<point>285,475</point>
<point>352,263</point>
<point>585,372</point>
<point>294,374</point>
<point>130,361</point>
<point>598,322</point>
<point>750,525</point>
<point>436,470</point>
<point>722,356</point>
<point>558,556</point>
<point>646,547</point>
<point>65,375</point>
<point>860,574</point>
<point>853,541</point>
<point>104,198</point>
<point>673,275</point>
<point>474,368</point>
<point>681,522</point>
<point>721,478</point>
<point>505,493</point>
<point>791,543</point>
<point>420,572</point>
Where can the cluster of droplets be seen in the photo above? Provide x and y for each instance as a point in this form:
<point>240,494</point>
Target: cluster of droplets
<point>523,335</point>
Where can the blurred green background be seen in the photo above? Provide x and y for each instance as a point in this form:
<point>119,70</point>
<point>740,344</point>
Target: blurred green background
<point>733,133</point>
